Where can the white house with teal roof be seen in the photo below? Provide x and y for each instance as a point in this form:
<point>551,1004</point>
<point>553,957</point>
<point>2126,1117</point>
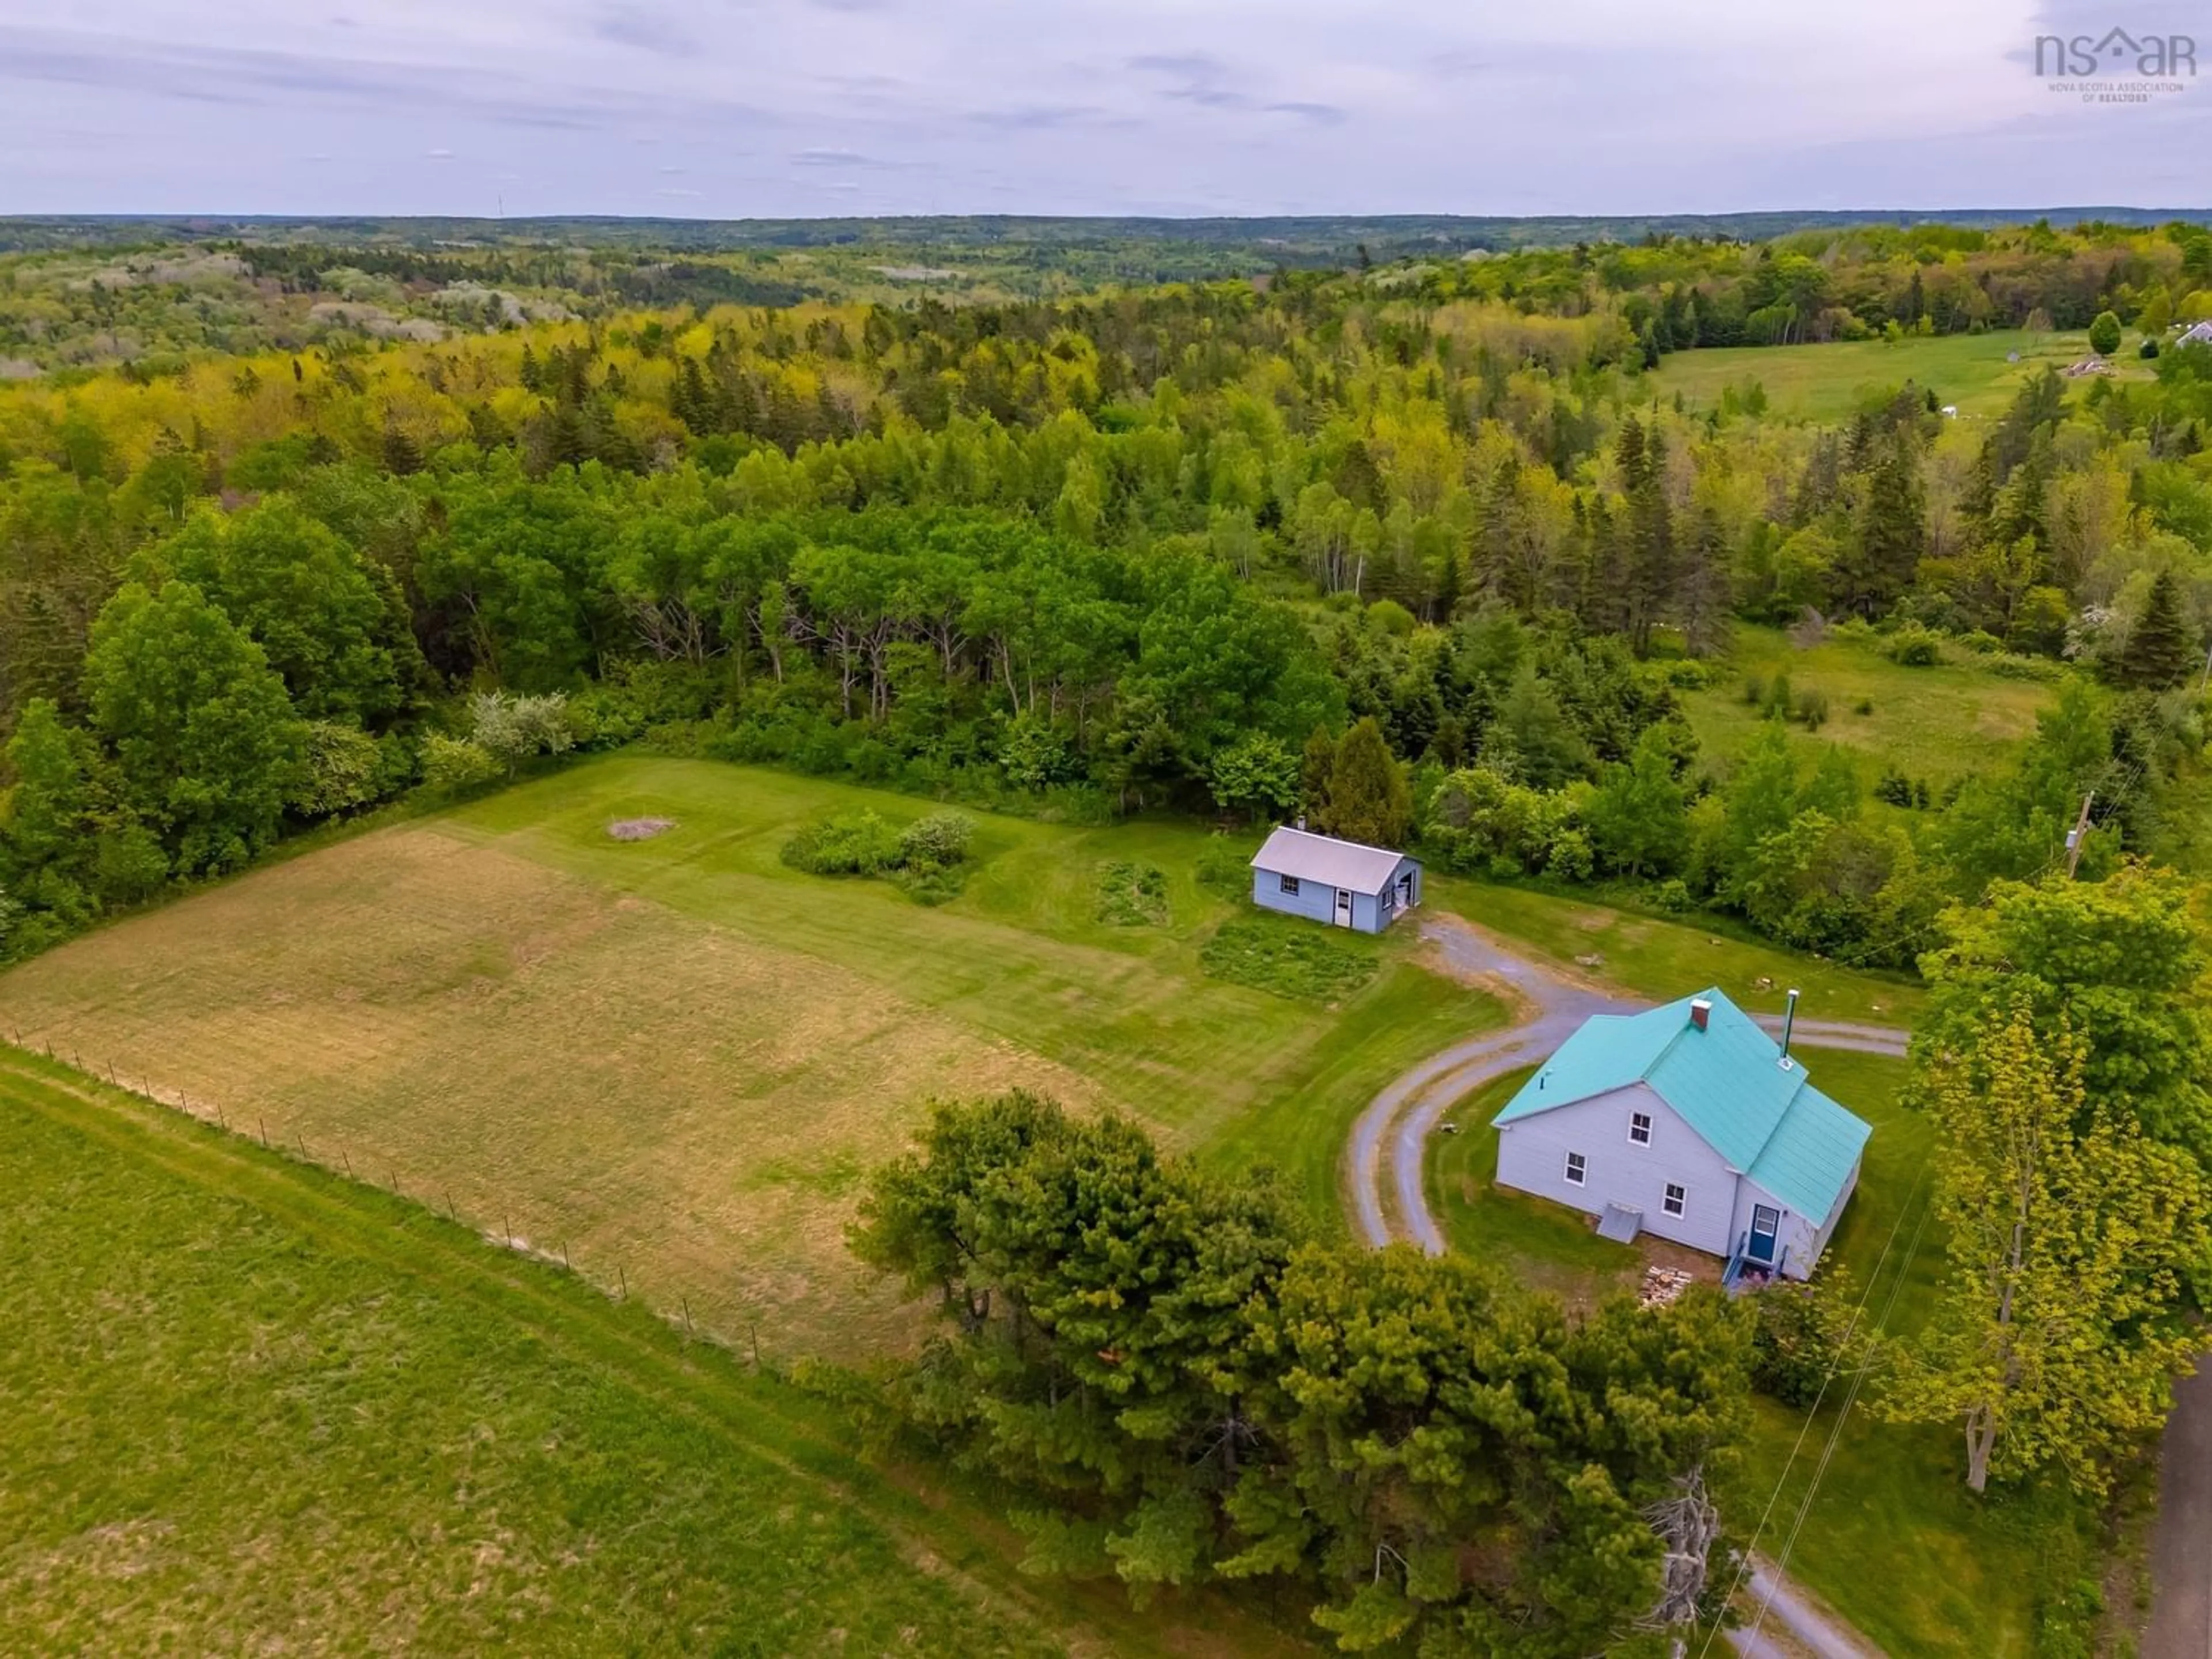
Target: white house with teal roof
<point>1690,1122</point>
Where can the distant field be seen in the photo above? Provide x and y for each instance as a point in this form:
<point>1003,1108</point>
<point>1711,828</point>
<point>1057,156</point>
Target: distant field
<point>1833,382</point>
<point>1943,722</point>
<point>251,1407</point>
<point>675,1058</point>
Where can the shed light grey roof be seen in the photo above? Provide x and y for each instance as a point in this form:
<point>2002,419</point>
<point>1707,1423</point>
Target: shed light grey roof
<point>1331,862</point>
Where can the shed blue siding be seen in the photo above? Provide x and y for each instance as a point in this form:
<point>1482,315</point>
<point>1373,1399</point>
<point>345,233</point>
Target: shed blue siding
<point>1312,900</point>
<point>1316,901</point>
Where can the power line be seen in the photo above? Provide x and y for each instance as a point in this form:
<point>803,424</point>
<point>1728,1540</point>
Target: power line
<point>1836,1434</point>
<point>1843,1347</point>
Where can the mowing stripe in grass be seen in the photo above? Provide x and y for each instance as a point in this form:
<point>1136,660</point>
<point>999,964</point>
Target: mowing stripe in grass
<point>758,1419</point>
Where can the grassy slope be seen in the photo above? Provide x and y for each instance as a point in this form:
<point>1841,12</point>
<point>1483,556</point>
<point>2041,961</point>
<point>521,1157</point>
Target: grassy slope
<point>674,1058</point>
<point>1831,382</point>
<point>249,1405</point>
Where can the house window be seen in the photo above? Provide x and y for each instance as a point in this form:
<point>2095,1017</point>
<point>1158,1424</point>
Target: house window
<point>1577,1169</point>
<point>1678,1199</point>
<point>1290,883</point>
<point>1639,1128</point>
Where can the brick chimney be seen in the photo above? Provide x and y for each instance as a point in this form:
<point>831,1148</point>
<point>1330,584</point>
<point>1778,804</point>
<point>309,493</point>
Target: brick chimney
<point>1701,1013</point>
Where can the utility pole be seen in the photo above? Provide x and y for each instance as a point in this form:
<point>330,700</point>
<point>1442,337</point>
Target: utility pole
<point>2079,834</point>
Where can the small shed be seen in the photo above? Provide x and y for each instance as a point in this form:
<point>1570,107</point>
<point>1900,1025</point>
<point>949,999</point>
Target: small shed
<point>1344,882</point>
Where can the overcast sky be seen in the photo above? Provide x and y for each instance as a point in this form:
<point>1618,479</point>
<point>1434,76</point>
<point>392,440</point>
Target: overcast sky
<point>731,108</point>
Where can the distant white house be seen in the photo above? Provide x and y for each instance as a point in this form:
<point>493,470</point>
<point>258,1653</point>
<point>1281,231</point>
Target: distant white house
<point>2200,335</point>
<point>1688,1121</point>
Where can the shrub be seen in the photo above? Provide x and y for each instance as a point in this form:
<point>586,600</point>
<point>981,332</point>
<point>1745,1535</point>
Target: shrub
<point>1864,706</point>
<point>450,764</point>
<point>1224,867</point>
<point>849,844</point>
<point>1800,1338</point>
<point>940,840</point>
<point>1812,708</point>
<point>1570,857</point>
<point>1755,691</point>
<point>1672,894</point>
<point>1914,646</point>
<point>343,768</point>
<point>129,864</point>
<point>511,729</point>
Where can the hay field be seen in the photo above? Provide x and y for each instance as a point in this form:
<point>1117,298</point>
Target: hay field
<point>674,1058</point>
<point>257,1409</point>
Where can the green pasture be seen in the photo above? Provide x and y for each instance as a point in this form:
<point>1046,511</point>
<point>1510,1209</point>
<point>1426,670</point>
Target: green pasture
<point>255,1407</point>
<point>1978,373</point>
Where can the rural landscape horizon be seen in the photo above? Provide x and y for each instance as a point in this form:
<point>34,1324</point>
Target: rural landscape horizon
<point>1207,832</point>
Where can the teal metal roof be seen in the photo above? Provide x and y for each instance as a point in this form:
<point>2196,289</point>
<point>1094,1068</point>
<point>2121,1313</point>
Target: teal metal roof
<point>1726,1082</point>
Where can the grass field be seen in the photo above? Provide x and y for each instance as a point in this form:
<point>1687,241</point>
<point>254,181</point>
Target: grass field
<point>1833,382</point>
<point>250,1406</point>
<point>1951,720</point>
<point>672,1061</point>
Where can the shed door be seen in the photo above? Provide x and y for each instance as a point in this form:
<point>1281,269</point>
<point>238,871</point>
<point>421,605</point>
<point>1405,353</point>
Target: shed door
<point>1344,907</point>
<point>1406,890</point>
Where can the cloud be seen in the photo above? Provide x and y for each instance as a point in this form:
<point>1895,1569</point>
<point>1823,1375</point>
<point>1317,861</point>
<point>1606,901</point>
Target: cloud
<point>1322,115</point>
<point>1089,106</point>
<point>644,29</point>
<point>439,155</point>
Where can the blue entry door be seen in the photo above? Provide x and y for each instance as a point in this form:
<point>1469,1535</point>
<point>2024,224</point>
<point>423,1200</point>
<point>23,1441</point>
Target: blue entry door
<point>1765,1222</point>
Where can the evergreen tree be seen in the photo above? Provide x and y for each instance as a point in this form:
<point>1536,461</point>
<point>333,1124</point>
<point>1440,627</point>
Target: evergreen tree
<point>1891,532</point>
<point>1315,767</point>
<point>2161,651</point>
<point>1369,800</point>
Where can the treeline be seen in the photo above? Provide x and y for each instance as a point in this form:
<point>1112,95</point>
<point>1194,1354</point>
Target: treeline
<point>1093,554</point>
<point>1186,1389</point>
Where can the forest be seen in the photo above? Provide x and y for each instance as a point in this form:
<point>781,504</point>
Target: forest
<point>1143,549</point>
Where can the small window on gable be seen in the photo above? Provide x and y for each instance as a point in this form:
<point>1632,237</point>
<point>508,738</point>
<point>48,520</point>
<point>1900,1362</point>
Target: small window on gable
<point>1289,883</point>
<point>1678,1199</point>
<point>1577,1169</point>
<point>1639,1128</point>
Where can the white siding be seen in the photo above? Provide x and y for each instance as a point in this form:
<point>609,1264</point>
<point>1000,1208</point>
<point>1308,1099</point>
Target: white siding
<point>1532,1157</point>
<point>1799,1240</point>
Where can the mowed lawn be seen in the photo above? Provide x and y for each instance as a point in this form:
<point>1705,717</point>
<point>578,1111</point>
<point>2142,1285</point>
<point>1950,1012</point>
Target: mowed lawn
<point>1661,958</point>
<point>249,1406</point>
<point>672,1061</point>
<point>1978,373</point>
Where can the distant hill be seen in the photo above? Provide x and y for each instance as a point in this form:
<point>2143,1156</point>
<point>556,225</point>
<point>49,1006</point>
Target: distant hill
<point>1288,240</point>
